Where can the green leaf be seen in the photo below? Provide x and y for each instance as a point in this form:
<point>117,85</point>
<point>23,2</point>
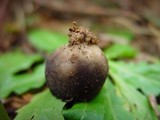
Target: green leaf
<point>136,102</point>
<point>22,83</point>
<point>106,106</point>
<point>3,113</point>
<point>115,32</point>
<point>46,40</point>
<point>121,33</point>
<point>120,51</point>
<point>13,62</point>
<point>140,75</point>
<point>43,106</point>
<point>159,108</point>
<point>30,80</point>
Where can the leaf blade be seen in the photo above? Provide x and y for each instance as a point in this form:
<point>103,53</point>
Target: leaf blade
<point>136,102</point>
<point>140,75</point>
<point>46,40</point>
<point>46,107</point>
<point>101,108</point>
<point>13,62</point>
